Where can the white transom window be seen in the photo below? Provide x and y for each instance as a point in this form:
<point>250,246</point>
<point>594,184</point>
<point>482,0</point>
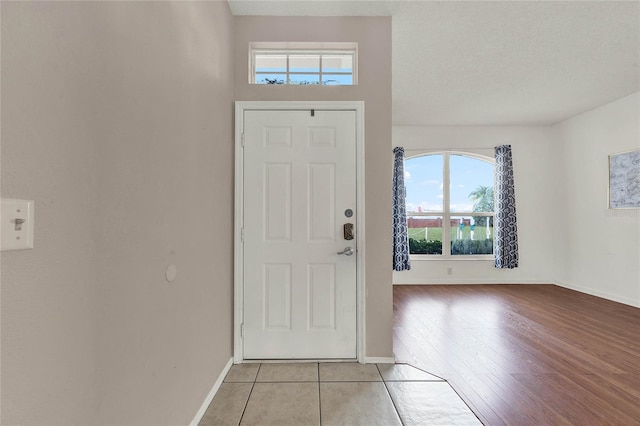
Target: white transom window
<point>315,64</point>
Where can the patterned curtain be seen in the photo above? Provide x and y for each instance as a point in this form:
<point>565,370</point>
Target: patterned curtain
<point>400,235</point>
<point>505,245</point>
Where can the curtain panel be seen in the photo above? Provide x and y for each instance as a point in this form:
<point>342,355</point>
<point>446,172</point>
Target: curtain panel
<point>400,234</point>
<point>505,245</point>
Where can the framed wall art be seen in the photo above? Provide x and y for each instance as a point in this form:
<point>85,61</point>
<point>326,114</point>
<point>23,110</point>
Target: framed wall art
<point>624,180</point>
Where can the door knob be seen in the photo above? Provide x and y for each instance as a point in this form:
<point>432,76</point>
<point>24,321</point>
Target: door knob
<point>347,251</point>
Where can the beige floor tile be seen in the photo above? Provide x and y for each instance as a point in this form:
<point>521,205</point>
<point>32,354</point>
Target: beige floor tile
<point>430,403</point>
<point>356,403</point>
<point>228,405</point>
<point>405,372</point>
<point>242,373</point>
<point>282,404</point>
<point>349,372</point>
<point>294,372</point>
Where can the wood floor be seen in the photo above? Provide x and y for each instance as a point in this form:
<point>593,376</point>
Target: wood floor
<point>525,354</point>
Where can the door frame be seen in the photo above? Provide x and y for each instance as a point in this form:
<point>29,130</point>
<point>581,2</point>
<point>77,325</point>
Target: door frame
<point>238,259</point>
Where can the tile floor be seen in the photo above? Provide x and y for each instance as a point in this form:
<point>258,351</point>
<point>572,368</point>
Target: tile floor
<point>335,394</point>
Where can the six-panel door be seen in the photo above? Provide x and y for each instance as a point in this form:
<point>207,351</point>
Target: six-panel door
<point>299,180</point>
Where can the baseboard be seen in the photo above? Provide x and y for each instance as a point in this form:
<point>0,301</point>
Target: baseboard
<point>598,293</point>
<point>212,393</point>
<point>379,360</point>
<point>466,281</point>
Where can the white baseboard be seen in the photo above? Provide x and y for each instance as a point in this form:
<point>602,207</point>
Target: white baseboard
<point>598,293</point>
<point>379,360</point>
<point>212,393</point>
<point>465,281</point>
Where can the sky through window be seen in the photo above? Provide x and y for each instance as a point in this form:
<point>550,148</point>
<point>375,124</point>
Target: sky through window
<point>424,182</point>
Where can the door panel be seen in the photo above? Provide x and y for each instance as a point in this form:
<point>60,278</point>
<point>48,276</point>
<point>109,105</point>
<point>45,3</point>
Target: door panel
<point>299,178</point>
<point>321,202</point>
<point>322,294</point>
<point>277,198</point>
<point>277,296</point>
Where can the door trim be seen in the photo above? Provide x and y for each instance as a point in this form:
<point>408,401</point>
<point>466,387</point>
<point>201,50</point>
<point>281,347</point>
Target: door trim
<point>238,260</point>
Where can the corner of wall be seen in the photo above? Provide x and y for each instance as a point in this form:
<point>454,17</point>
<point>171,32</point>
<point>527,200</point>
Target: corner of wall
<point>599,247</point>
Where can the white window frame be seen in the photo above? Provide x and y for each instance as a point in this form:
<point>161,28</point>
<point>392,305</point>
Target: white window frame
<point>300,49</point>
<point>447,214</point>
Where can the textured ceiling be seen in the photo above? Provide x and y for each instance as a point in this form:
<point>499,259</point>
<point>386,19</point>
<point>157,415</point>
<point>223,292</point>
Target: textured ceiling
<point>495,63</point>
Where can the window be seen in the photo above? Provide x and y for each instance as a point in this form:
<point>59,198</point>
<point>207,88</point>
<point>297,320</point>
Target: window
<point>449,205</point>
<point>323,65</point>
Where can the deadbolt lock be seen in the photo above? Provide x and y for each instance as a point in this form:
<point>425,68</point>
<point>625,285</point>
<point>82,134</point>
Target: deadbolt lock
<point>348,231</point>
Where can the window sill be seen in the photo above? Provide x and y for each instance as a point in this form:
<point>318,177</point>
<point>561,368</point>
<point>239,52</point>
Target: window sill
<point>302,85</point>
<point>432,258</point>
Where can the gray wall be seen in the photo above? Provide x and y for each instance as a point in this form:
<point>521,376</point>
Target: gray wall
<point>117,121</point>
<point>373,35</point>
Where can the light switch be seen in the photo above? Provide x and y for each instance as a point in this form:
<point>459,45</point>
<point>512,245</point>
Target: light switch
<point>16,217</point>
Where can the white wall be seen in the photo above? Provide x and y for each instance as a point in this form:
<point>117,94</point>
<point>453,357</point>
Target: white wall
<point>600,251</point>
<point>535,176</point>
<point>567,234</point>
<point>117,121</point>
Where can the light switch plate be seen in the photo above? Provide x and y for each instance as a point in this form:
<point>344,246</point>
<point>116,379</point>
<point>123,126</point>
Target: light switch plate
<point>16,236</point>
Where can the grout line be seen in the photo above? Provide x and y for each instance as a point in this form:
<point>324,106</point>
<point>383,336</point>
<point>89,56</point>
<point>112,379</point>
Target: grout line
<point>464,402</point>
<point>424,371</point>
<point>255,379</point>
<point>450,385</point>
<point>290,381</point>
<point>249,397</point>
<point>341,381</point>
<point>390,397</point>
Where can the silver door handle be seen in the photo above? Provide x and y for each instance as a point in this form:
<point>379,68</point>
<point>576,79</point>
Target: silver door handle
<point>347,251</point>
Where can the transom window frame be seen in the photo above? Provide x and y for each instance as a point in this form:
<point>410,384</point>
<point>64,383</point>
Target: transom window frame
<point>446,204</point>
<point>304,49</point>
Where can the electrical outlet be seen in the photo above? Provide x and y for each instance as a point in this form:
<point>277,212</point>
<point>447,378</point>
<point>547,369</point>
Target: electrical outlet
<point>449,271</point>
<point>16,217</point>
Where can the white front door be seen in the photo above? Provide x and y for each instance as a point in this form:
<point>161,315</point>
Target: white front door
<point>299,192</point>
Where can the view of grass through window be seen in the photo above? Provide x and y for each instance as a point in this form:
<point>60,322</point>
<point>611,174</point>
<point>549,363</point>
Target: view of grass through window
<point>449,204</point>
